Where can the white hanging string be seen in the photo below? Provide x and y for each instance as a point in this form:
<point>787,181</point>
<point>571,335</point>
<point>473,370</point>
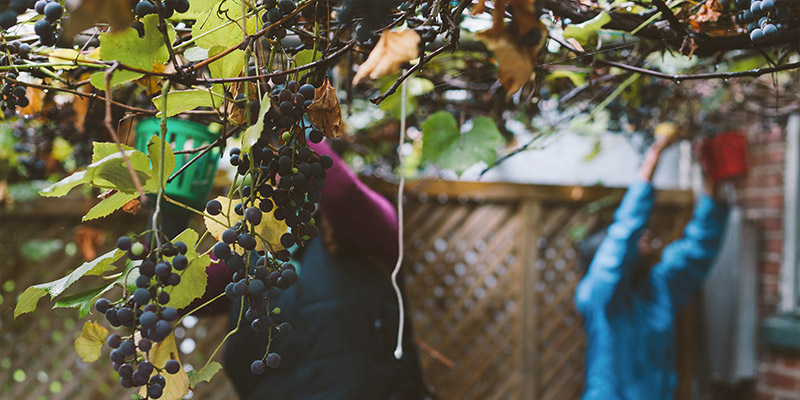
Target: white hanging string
<point>398,351</point>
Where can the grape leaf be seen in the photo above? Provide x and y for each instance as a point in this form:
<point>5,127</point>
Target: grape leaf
<point>444,145</point>
<point>270,229</point>
<point>586,32</point>
<point>154,150</point>
<point>194,278</point>
<point>90,343</point>
<point>101,150</point>
<point>109,172</point>
<point>205,374</point>
<point>305,57</point>
<point>216,29</point>
<point>253,133</point>
<point>177,384</point>
<point>109,205</point>
<point>229,66</point>
<point>179,101</point>
<point>27,301</point>
<point>82,300</point>
<point>128,48</point>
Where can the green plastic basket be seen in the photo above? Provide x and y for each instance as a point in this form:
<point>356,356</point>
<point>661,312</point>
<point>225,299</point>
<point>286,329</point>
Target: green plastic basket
<point>193,185</point>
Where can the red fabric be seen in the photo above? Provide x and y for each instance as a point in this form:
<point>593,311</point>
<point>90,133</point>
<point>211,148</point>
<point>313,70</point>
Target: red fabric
<point>724,156</point>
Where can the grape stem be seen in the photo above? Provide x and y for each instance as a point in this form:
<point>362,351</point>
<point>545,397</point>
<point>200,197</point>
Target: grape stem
<point>194,310</point>
<point>114,136</point>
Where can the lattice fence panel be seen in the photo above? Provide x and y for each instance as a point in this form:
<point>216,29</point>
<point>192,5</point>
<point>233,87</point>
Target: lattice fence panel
<point>466,282</point>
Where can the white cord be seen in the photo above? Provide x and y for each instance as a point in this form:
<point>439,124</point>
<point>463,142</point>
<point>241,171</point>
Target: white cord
<point>398,351</point>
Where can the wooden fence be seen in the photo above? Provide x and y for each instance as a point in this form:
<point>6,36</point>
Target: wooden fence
<point>490,276</point>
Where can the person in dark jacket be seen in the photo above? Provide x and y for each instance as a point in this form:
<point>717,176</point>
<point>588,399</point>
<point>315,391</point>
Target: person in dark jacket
<point>343,309</point>
<point>629,308</point>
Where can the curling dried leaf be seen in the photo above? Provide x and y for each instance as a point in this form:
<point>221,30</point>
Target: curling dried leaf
<point>325,111</point>
<point>390,53</point>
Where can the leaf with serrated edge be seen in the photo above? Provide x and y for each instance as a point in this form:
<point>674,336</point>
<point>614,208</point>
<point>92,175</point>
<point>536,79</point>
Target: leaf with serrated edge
<point>205,374</point>
<point>83,300</point>
<point>109,205</point>
<point>177,384</point>
<point>90,343</point>
<point>270,229</point>
<point>194,278</point>
<point>253,133</point>
<point>227,36</point>
<point>128,48</point>
<point>29,298</point>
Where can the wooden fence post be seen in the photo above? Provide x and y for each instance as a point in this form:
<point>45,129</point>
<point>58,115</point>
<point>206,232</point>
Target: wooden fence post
<point>531,211</point>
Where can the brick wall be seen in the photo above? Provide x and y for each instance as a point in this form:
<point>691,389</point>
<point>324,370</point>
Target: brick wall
<point>761,196</point>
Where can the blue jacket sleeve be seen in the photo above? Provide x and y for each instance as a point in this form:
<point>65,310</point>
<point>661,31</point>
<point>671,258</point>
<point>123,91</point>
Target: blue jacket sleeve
<point>611,265</point>
<point>686,261</point>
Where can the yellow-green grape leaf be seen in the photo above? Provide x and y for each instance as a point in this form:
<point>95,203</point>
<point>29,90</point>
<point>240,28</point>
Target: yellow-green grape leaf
<point>109,205</point>
<point>253,133</point>
<point>154,150</point>
<point>128,48</point>
<point>214,28</point>
<point>27,301</point>
<point>66,56</point>
<point>177,384</point>
<point>109,172</point>
<point>179,101</point>
<point>205,374</point>
<point>101,150</point>
<point>200,9</point>
<point>414,87</point>
<point>90,343</point>
<point>443,143</point>
<point>269,230</point>
<point>305,57</point>
<point>228,66</point>
<point>194,278</point>
<point>586,32</point>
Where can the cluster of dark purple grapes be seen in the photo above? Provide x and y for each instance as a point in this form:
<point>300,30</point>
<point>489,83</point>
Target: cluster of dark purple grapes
<point>146,7</point>
<point>766,20</point>
<point>145,311</point>
<point>275,11</point>
<point>13,95</point>
<point>46,27</point>
<point>286,183</point>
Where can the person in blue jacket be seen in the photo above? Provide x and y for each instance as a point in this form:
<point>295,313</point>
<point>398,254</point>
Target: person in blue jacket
<point>628,308</point>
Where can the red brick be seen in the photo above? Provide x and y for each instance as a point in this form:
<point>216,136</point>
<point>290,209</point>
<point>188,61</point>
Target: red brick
<point>781,381</point>
<point>770,268</point>
<point>774,245</point>
<point>791,361</point>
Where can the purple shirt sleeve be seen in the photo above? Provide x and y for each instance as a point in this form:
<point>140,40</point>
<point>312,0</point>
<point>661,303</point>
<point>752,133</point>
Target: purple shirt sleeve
<point>358,215</point>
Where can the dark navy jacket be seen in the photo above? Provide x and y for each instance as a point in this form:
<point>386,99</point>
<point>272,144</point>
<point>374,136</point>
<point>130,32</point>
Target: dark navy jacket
<point>344,316</point>
<point>631,346</point>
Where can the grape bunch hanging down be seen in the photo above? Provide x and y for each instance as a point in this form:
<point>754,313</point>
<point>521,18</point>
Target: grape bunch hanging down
<point>275,11</point>
<point>144,312</point>
<point>285,185</point>
<point>375,14</point>
<point>768,20</point>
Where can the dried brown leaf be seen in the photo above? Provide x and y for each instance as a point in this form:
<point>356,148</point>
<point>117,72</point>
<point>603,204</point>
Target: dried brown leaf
<point>515,53</point>
<point>236,113</point>
<point>85,13</point>
<point>325,112</point>
<point>387,57</point>
<point>36,97</point>
<point>88,241</point>
<point>132,207</point>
